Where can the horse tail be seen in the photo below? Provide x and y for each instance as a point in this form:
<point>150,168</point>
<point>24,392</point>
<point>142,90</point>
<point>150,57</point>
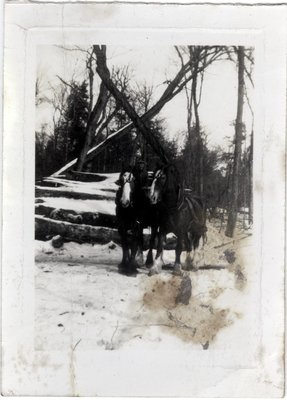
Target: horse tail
<point>198,218</point>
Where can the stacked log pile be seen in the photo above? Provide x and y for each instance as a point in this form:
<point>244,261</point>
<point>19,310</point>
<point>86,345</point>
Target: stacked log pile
<point>79,226</point>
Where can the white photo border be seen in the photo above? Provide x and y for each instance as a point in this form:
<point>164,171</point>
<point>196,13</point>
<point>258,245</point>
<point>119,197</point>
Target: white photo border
<point>28,372</point>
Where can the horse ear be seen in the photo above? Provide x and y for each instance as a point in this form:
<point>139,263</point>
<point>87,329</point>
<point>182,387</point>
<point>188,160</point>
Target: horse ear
<point>158,165</point>
<point>118,181</point>
<point>126,168</point>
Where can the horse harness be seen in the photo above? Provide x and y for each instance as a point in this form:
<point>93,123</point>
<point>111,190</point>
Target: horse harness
<point>182,200</point>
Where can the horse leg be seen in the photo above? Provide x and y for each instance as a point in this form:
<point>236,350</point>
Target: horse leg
<point>134,247</point>
<point>195,242</point>
<point>139,250</point>
<point>125,250</point>
<point>178,250</point>
<point>188,248</point>
<point>157,264</point>
<point>149,259</point>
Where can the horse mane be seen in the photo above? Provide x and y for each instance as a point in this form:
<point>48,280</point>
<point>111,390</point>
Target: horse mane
<point>172,191</point>
<point>173,179</point>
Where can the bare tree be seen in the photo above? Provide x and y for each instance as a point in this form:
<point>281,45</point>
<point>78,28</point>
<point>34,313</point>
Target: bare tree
<point>122,99</point>
<point>199,59</point>
<point>233,206</point>
<point>39,96</point>
<point>174,87</point>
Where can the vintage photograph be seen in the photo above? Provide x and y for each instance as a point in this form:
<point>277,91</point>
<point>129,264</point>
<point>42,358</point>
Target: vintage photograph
<point>144,174</point>
<point>143,196</point>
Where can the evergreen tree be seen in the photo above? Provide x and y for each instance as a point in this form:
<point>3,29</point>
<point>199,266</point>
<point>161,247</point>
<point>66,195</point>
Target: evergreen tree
<point>73,127</point>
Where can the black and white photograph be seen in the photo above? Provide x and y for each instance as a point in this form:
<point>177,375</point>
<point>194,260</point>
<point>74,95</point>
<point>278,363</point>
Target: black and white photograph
<point>144,215</point>
<point>143,205</point>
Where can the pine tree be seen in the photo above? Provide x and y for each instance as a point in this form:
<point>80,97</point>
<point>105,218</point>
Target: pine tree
<point>75,120</point>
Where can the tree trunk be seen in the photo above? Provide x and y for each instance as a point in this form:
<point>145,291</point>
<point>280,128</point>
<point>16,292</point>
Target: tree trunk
<point>233,207</point>
<point>121,98</point>
<point>199,169</point>
<point>92,125</point>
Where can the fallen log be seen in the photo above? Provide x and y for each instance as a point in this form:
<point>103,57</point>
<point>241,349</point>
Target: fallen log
<point>47,228</point>
<point>85,176</point>
<point>86,218</point>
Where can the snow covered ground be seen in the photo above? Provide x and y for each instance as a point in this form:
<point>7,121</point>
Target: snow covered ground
<point>82,300</point>
<point>84,305</point>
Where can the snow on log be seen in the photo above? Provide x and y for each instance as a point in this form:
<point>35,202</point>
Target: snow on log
<point>93,206</point>
<point>85,176</point>
<point>45,228</point>
<point>55,192</point>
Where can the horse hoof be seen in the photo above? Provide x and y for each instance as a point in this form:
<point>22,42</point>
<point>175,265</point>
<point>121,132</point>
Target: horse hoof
<point>139,259</point>
<point>127,266</point>
<point>122,266</point>
<point>133,264</point>
<point>177,270</point>
<point>149,261</point>
<point>153,271</point>
<point>127,270</point>
<point>188,265</point>
<point>149,264</point>
<point>131,272</point>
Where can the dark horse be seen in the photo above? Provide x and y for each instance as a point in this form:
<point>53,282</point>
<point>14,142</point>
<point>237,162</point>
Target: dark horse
<point>179,212</point>
<point>134,213</point>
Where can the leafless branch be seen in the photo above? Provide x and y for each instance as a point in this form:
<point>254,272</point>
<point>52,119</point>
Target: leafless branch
<point>248,75</point>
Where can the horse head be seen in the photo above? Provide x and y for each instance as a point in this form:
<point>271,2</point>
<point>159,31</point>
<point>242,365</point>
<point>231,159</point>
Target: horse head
<point>165,186</point>
<point>156,189</point>
<point>126,183</point>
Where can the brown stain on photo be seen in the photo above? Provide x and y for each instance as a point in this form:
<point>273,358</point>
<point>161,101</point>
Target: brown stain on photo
<point>161,294</point>
<point>195,322</point>
<point>236,262</point>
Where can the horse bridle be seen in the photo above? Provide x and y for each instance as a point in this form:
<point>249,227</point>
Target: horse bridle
<point>159,173</point>
<point>129,180</point>
<point>157,177</point>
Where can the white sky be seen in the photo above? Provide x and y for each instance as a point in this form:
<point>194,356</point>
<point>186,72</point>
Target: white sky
<point>154,65</point>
